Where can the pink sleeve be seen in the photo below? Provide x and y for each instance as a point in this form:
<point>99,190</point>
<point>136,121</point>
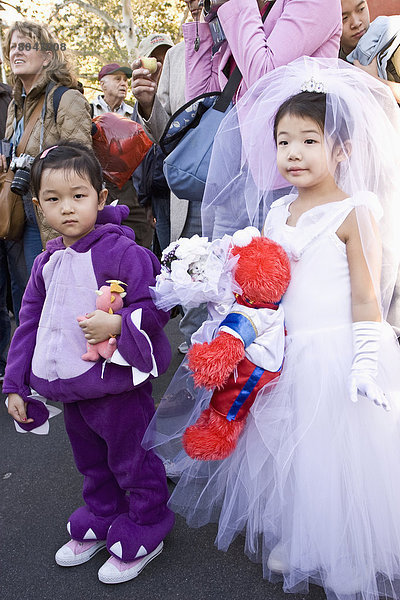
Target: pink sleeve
<point>201,69</point>
<point>304,27</point>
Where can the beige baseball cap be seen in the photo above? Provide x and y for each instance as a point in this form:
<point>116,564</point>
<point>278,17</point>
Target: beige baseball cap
<point>152,41</point>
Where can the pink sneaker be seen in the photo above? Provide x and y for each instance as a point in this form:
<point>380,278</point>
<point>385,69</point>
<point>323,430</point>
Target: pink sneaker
<point>76,553</point>
<point>115,570</point>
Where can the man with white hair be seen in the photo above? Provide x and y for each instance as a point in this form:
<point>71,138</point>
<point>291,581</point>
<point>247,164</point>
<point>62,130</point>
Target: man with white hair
<point>114,84</point>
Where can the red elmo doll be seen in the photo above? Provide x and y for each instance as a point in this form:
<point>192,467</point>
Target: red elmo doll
<point>247,352</point>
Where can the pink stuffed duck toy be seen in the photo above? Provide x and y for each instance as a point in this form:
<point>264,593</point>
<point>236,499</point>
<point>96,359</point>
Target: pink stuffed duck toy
<point>110,299</point>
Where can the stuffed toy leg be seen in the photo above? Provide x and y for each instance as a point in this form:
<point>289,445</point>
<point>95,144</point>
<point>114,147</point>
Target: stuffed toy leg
<point>222,365</point>
<point>215,434</point>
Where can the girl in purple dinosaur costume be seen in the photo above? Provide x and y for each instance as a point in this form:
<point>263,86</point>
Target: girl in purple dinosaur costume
<point>107,404</point>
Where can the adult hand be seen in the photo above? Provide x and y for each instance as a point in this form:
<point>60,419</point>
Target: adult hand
<point>3,163</point>
<point>144,86</point>
<point>372,68</point>
<point>100,325</point>
<point>150,218</point>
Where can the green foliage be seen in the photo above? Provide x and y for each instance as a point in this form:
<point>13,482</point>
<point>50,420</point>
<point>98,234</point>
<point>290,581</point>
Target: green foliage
<point>94,42</point>
<point>155,16</point>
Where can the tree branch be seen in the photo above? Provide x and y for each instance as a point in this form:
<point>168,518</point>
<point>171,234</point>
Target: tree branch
<point>97,55</point>
<point>92,9</point>
<point>114,40</point>
<point>15,7</point>
<point>57,8</point>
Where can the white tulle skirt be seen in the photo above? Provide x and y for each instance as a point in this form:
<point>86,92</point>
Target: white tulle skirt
<point>312,471</point>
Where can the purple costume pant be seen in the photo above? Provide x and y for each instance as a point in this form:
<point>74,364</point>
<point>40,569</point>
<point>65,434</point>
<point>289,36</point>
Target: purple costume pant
<point>125,487</point>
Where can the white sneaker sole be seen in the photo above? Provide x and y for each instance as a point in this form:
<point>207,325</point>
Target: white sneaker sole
<point>276,561</point>
<point>277,566</point>
<point>63,560</point>
<point>106,576</point>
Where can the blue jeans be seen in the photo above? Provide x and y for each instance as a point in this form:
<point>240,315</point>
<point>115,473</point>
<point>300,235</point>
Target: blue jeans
<point>32,244</point>
<point>12,262</point>
<point>161,212</point>
<point>193,220</point>
<point>32,241</point>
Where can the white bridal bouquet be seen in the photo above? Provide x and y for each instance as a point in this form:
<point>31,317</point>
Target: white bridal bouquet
<point>194,271</point>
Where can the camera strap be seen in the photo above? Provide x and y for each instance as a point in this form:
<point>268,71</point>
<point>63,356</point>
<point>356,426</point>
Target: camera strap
<point>29,127</point>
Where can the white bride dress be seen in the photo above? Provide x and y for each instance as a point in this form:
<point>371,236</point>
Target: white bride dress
<point>313,472</point>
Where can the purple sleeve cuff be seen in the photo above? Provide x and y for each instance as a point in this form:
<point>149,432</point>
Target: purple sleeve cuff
<point>11,388</point>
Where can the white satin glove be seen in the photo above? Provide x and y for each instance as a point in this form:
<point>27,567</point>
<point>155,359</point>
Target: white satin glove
<point>364,370</point>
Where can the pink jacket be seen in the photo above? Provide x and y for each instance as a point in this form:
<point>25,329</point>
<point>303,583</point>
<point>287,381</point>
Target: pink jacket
<point>292,29</point>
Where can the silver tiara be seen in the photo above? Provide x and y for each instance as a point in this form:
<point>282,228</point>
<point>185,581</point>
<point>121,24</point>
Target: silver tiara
<point>314,86</point>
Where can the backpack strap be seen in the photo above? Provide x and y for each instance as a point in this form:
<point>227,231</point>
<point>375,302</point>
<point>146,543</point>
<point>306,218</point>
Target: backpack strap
<point>58,93</point>
<point>29,127</point>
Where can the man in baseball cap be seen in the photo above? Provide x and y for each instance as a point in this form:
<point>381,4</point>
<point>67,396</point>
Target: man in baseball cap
<point>114,84</point>
<point>114,68</point>
<point>155,44</point>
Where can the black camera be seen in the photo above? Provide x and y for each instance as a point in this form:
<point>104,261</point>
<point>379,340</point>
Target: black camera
<point>210,9</point>
<point>21,165</point>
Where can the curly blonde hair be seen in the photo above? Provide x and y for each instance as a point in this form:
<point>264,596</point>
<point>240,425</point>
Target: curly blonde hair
<point>60,69</point>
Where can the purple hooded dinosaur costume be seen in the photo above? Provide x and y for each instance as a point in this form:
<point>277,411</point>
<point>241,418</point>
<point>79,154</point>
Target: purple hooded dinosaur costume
<point>107,405</point>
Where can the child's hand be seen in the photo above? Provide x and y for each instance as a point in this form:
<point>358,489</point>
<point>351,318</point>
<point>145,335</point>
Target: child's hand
<point>367,386</point>
<point>99,326</point>
<point>17,408</point>
<point>364,370</point>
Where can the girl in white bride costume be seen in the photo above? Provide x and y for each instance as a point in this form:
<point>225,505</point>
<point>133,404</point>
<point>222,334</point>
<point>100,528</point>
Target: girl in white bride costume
<point>314,483</point>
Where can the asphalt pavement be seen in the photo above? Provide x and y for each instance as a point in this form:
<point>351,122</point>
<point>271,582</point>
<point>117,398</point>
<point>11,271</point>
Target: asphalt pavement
<point>40,487</point>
